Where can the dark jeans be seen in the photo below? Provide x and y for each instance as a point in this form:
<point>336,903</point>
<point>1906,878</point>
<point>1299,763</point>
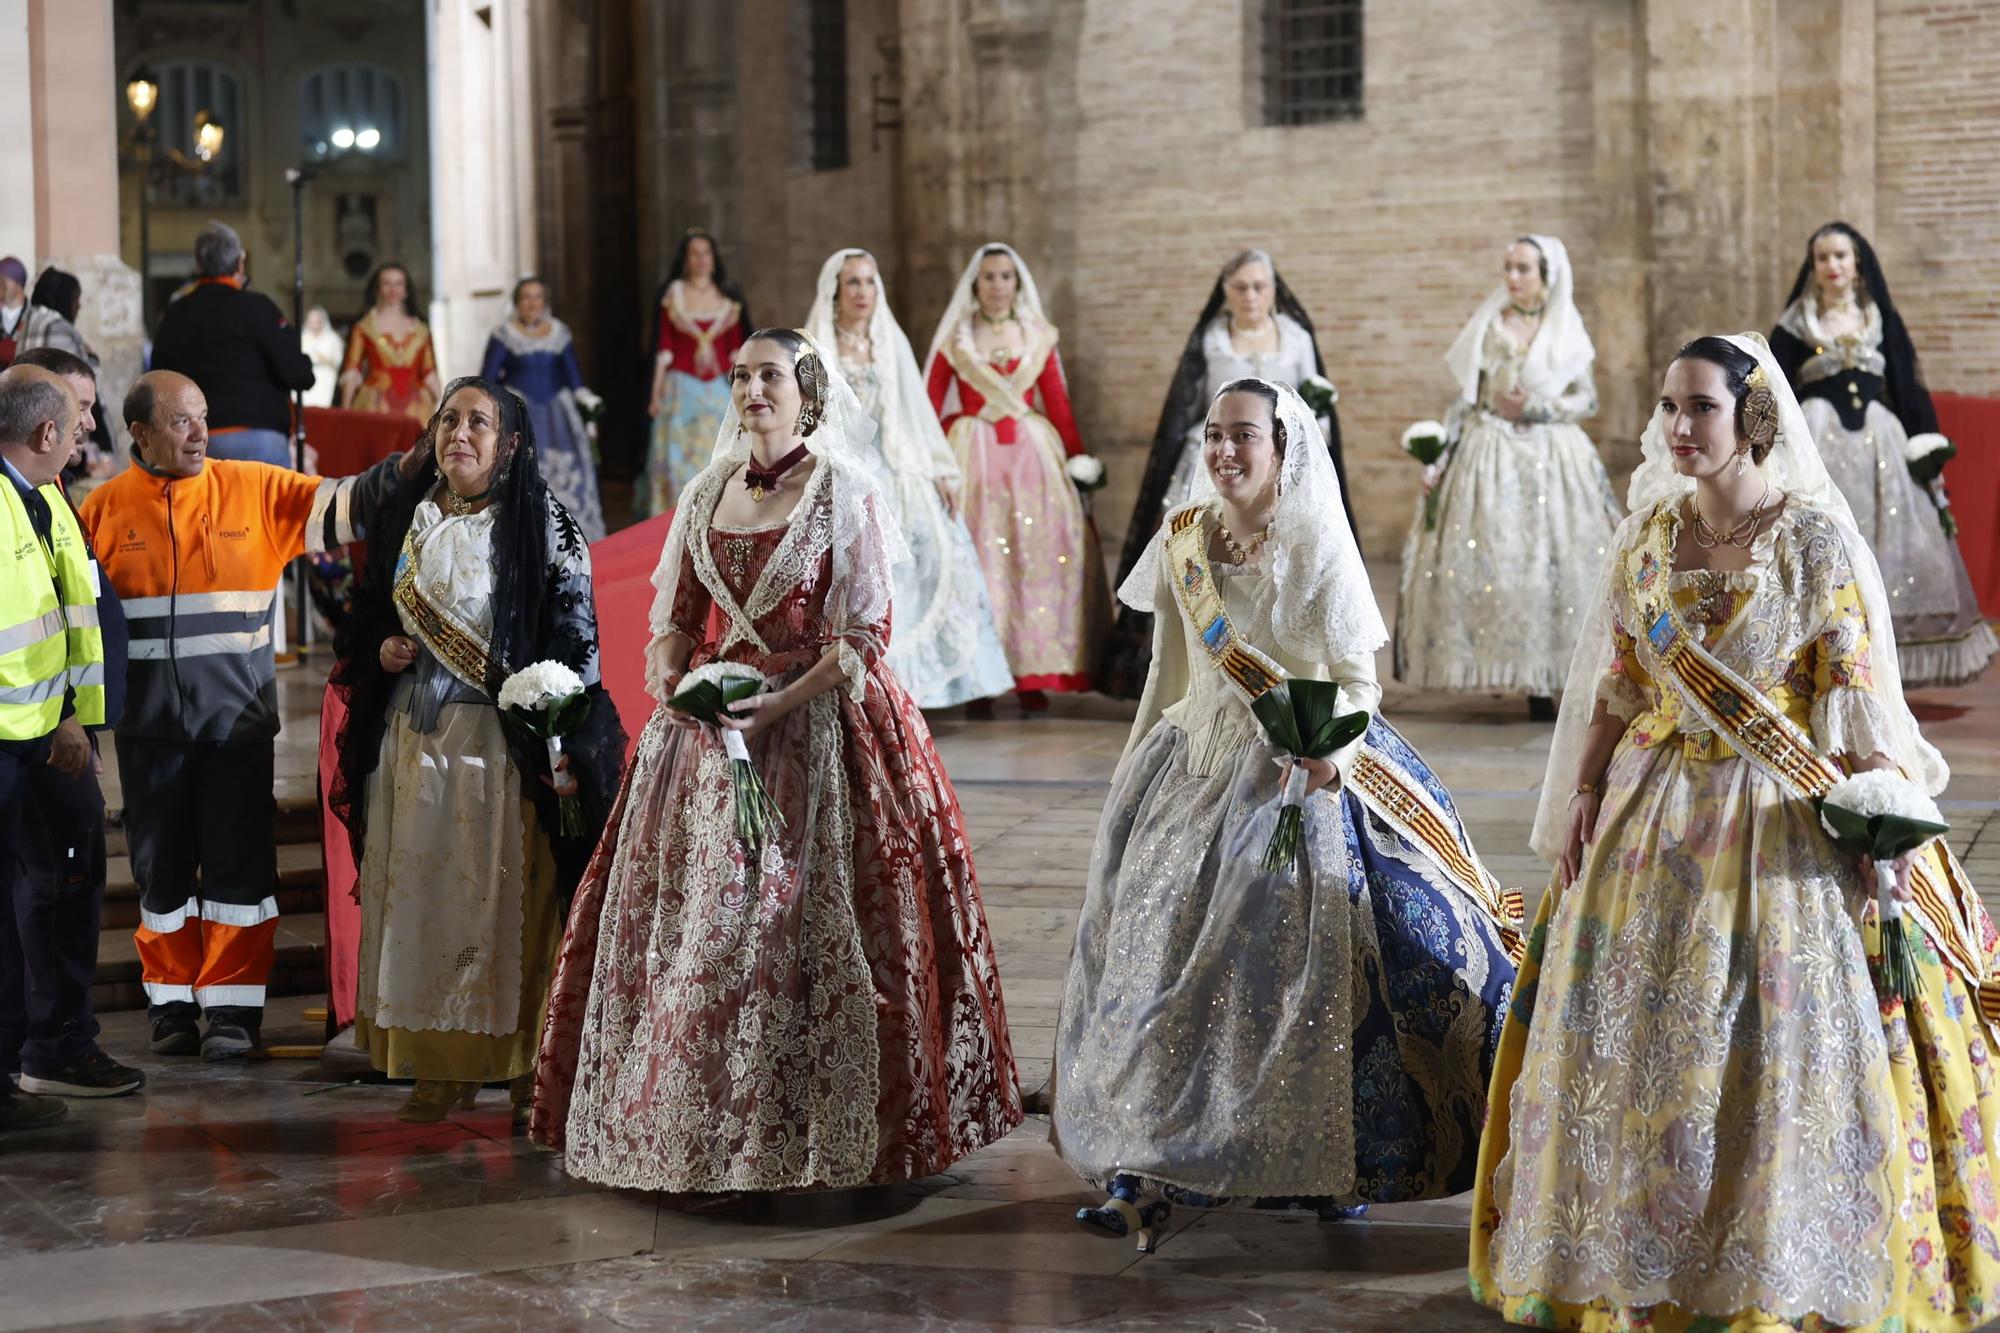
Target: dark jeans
<point>53,876</point>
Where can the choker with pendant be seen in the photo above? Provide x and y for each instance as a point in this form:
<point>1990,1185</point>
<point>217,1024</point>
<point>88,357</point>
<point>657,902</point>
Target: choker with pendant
<point>762,481</point>
<point>460,505</point>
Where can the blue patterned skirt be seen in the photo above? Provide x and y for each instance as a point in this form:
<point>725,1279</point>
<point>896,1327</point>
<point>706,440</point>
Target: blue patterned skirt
<point>1321,1032</point>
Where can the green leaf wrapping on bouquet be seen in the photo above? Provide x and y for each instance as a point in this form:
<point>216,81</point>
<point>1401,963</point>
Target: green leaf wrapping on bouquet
<point>1302,718</point>
<point>1949,522</point>
<point>1319,394</point>
<point>709,701</point>
<point>1925,469</point>
<point>568,715</point>
<point>1426,449</point>
<point>1882,837</point>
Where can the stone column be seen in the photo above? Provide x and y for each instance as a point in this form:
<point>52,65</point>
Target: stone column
<point>73,92</point>
<point>1761,124</point>
<point>17,151</point>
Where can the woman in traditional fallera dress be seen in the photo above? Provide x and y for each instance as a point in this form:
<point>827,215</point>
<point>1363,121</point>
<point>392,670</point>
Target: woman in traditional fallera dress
<point>391,365</point>
<point>702,321</point>
<point>946,649</point>
<point>1319,1035</point>
<point>1495,586</point>
<point>1252,325</point>
<point>1849,358</point>
<point>474,572</point>
<point>997,383</point>
<point>534,355</point>
<point>826,1014</point>
<point>1705,1117</point>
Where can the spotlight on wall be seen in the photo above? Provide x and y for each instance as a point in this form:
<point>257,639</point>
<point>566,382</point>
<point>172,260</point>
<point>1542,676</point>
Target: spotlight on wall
<point>343,138</point>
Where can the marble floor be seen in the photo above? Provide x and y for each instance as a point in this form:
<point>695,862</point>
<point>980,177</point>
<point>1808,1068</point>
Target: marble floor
<point>282,1194</point>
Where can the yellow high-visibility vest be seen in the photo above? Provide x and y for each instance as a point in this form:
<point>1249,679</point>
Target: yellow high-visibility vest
<point>50,640</point>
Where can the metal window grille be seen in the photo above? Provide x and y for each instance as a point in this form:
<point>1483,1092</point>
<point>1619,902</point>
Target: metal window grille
<point>827,36</point>
<point>187,89</point>
<point>1312,61</point>
<point>355,96</point>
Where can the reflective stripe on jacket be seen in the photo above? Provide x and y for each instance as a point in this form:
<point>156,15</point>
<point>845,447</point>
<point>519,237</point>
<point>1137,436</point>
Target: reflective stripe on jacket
<point>49,639</point>
<point>196,562</point>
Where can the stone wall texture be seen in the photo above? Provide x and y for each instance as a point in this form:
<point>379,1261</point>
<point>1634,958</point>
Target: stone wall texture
<point>1684,150</point>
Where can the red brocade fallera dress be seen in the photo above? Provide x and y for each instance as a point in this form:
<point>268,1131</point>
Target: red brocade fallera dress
<point>834,1021</point>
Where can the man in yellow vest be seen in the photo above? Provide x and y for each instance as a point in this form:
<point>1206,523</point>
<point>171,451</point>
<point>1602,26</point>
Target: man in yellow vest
<point>51,657</point>
<point>50,1037</point>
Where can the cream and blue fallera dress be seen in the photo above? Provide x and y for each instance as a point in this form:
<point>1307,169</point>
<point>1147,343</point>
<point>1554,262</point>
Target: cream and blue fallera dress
<point>1313,1035</point>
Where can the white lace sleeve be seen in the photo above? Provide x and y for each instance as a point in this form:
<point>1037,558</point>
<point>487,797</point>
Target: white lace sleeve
<point>859,611</point>
<point>1849,721</point>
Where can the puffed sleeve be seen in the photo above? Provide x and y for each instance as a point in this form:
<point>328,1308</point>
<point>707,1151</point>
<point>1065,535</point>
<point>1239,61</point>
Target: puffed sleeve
<point>1847,714</point>
<point>1625,688</point>
<point>1573,404</point>
<point>1167,675</point>
<point>1360,692</point>
<point>859,611</point>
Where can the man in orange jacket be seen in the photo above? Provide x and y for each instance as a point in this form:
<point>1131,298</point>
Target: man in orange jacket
<point>194,547</point>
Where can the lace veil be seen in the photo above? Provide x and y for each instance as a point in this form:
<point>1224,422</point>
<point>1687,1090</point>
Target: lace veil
<point>1794,468</point>
<point>912,441</point>
<point>1027,299</point>
<point>1561,350</point>
<point>862,533</point>
<point>1324,609</point>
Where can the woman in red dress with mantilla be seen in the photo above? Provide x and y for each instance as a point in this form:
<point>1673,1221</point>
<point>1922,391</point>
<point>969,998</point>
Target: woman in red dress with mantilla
<point>998,386</point>
<point>824,1013</point>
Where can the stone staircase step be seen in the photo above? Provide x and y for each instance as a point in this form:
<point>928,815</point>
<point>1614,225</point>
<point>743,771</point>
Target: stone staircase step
<point>299,967</point>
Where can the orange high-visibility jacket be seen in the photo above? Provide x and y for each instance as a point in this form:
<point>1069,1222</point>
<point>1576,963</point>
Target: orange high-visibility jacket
<point>196,561</point>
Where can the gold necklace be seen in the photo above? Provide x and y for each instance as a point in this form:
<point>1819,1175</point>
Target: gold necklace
<point>1739,536</point>
<point>458,506</point>
<point>997,322</point>
<point>1243,553</point>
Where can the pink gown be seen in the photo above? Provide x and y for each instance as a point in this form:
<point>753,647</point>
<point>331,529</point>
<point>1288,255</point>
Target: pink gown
<point>837,1022</point>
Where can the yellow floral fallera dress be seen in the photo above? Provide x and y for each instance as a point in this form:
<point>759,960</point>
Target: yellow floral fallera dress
<point>1702,1118</point>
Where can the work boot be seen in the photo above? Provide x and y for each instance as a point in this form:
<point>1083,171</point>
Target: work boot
<point>232,1034</point>
<point>176,1028</point>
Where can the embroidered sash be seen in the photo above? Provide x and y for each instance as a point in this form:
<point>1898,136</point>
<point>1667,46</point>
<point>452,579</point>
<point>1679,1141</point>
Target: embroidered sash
<point>1405,806</point>
<point>458,646</point>
<point>1945,907</point>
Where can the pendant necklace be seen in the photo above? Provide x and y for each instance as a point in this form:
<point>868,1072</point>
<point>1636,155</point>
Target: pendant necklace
<point>458,506</point>
<point>762,481</point>
<point>1243,553</point>
<point>1739,536</point>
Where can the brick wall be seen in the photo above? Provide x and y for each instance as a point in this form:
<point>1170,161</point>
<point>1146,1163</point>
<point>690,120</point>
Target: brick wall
<point>1390,229</point>
<point>1937,201</point>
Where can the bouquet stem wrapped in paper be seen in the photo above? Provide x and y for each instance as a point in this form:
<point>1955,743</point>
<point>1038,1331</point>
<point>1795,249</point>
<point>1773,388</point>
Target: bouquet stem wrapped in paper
<point>1426,442</point>
<point>707,694</point>
<point>547,700</point>
<point>1883,815</point>
<point>1302,719</point>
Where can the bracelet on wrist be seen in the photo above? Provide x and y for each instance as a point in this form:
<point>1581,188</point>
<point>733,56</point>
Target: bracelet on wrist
<point>1584,789</point>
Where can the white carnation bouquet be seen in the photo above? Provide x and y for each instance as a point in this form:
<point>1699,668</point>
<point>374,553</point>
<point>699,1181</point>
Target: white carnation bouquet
<point>1319,394</point>
<point>1883,815</point>
<point>1926,453</point>
<point>708,694</point>
<point>1426,442</point>
<point>548,701</point>
<point>1086,472</point>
